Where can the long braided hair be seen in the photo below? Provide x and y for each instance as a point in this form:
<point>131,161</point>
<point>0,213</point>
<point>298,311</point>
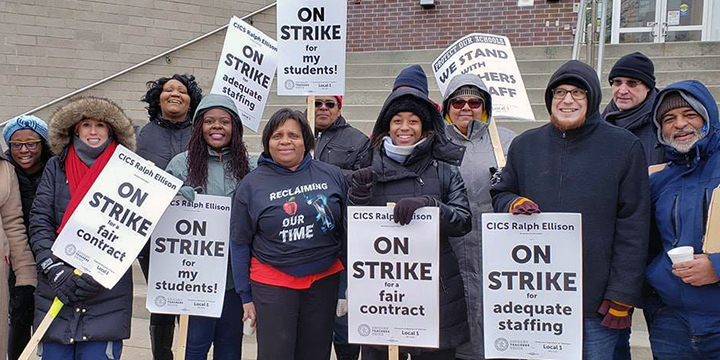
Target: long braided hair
<point>197,160</point>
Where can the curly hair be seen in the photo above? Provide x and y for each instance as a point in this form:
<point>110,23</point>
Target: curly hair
<point>197,159</point>
<point>152,96</point>
<point>278,119</point>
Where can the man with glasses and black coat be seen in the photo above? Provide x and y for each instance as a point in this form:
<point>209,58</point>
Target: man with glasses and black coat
<point>633,93</point>
<point>338,143</point>
<point>581,164</point>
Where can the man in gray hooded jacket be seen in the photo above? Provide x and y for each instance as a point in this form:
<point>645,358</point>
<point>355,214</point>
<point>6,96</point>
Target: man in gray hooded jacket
<point>467,107</point>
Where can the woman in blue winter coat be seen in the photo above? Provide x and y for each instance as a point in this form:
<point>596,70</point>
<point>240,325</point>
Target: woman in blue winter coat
<point>215,162</point>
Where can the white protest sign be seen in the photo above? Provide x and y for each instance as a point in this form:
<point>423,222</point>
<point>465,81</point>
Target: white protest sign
<point>393,277</point>
<point>246,70</point>
<point>311,47</point>
<point>189,256</point>
<point>492,58</point>
<point>532,286</point>
<point>115,218</point>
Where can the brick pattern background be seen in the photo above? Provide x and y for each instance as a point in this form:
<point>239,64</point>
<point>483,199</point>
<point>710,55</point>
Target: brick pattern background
<point>405,25</point>
<point>49,48</point>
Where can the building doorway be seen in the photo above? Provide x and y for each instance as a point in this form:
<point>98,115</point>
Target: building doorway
<point>645,21</point>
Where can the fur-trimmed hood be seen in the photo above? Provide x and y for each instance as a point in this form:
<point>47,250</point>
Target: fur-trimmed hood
<point>63,121</point>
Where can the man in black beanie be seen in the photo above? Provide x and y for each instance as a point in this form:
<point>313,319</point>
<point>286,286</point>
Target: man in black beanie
<point>633,92</point>
<point>581,164</point>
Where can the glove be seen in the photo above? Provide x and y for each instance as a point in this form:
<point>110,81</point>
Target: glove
<point>405,208</point>
<point>87,287</point>
<point>22,305</point>
<point>188,192</point>
<point>342,308</point>
<point>617,314</point>
<point>62,284</point>
<point>524,206</point>
<point>361,184</point>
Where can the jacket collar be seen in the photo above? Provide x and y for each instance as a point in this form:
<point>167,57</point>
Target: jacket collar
<point>591,123</point>
<point>167,124</point>
<point>264,160</point>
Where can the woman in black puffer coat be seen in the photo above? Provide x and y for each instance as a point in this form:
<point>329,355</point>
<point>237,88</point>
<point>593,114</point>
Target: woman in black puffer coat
<point>94,320</point>
<point>414,165</point>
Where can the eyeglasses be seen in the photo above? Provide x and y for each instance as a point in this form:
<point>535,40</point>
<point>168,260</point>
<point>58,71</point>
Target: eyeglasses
<point>328,104</point>
<point>577,94</point>
<point>30,144</point>
<point>459,103</point>
<point>629,83</point>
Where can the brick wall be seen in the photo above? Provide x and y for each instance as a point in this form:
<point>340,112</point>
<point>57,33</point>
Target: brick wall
<point>49,48</point>
<point>405,25</point>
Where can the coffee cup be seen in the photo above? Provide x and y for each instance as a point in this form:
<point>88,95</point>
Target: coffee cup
<point>681,254</point>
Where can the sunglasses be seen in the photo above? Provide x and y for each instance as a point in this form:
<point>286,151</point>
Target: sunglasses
<point>577,94</point>
<point>460,103</point>
<point>629,83</point>
<point>328,104</point>
<point>30,144</point>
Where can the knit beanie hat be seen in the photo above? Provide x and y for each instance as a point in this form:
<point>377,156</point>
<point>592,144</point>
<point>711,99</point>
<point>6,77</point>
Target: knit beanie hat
<point>413,105</point>
<point>412,76</point>
<point>468,90</point>
<point>670,102</point>
<point>24,122</point>
<point>636,66</point>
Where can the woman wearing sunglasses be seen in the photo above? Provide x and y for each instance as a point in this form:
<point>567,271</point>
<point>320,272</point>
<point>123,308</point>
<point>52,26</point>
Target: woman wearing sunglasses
<point>26,137</point>
<point>414,165</point>
<point>468,108</point>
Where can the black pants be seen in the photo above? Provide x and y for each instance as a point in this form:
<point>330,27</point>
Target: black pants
<point>295,324</point>
<point>374,353</point>
<point>144,261</point>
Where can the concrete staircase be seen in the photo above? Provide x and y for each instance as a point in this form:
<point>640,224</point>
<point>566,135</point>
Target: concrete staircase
<point>370,76</point>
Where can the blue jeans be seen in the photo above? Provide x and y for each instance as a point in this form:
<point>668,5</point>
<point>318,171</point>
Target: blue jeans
<point>225,333</point>
<point>622,349</point>
<point>670,339</point>
<point>91,350</point>
<point>598,341</point>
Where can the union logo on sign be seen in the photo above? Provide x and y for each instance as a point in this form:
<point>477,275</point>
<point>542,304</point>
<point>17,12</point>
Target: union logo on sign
<point>70,250</point>
<point>160,301</point>
<point>501,344</point>
<point>364,330</point>
<point>289,84</point>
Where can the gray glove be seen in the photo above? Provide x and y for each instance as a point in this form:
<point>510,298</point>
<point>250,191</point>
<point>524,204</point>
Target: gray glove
<point>188,192</point>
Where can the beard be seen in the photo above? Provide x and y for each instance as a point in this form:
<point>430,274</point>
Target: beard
<point>684,147</point>
<point>564,125</point>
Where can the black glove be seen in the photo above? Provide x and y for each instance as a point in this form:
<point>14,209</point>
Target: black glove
<point>87,287</point>
<point>405,208</point>
<point>361,185</point>
<point>22,305</point>
<point>60,277</point>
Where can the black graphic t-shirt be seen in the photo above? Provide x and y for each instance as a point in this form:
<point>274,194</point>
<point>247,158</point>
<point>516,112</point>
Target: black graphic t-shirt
<point>290,218</point>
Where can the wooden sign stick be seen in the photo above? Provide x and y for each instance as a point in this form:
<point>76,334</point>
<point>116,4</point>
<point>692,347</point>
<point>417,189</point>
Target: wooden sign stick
<point>54,310</point>
<point>393,350</point>
<point>711,240</point>
<point>182,337</point>
<point>496,144</point>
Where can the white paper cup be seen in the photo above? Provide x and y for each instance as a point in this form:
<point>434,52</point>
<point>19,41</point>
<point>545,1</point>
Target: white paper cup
<point>681,254</point>
<point>247,329</point>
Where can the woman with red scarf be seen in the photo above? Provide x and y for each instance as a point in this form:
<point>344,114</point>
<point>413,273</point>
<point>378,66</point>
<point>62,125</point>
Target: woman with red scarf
<point>94,321</point>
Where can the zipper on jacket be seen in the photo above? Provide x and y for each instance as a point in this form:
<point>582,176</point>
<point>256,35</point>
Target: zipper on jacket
<point>442,285</point>
<point>705,208</point>
<point>420,180</point>
<point>674,220</point>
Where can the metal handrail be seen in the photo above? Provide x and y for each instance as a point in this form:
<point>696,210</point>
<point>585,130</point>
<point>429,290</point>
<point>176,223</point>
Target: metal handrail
<point>579,29</point>
<point>601,41</point>
<point>143,63</point>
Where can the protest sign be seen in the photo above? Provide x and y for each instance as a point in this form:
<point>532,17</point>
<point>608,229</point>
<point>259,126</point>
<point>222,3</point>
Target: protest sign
<point>491,57</point>
<point>115,218</point>
<point>393,277</point>
<point>311,47</point>
<point>246,69</point>
<point>188,257</point>
<point>532,286</point>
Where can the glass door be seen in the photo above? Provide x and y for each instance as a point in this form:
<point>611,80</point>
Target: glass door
<point>638,21</point>
<point>683,20</point>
